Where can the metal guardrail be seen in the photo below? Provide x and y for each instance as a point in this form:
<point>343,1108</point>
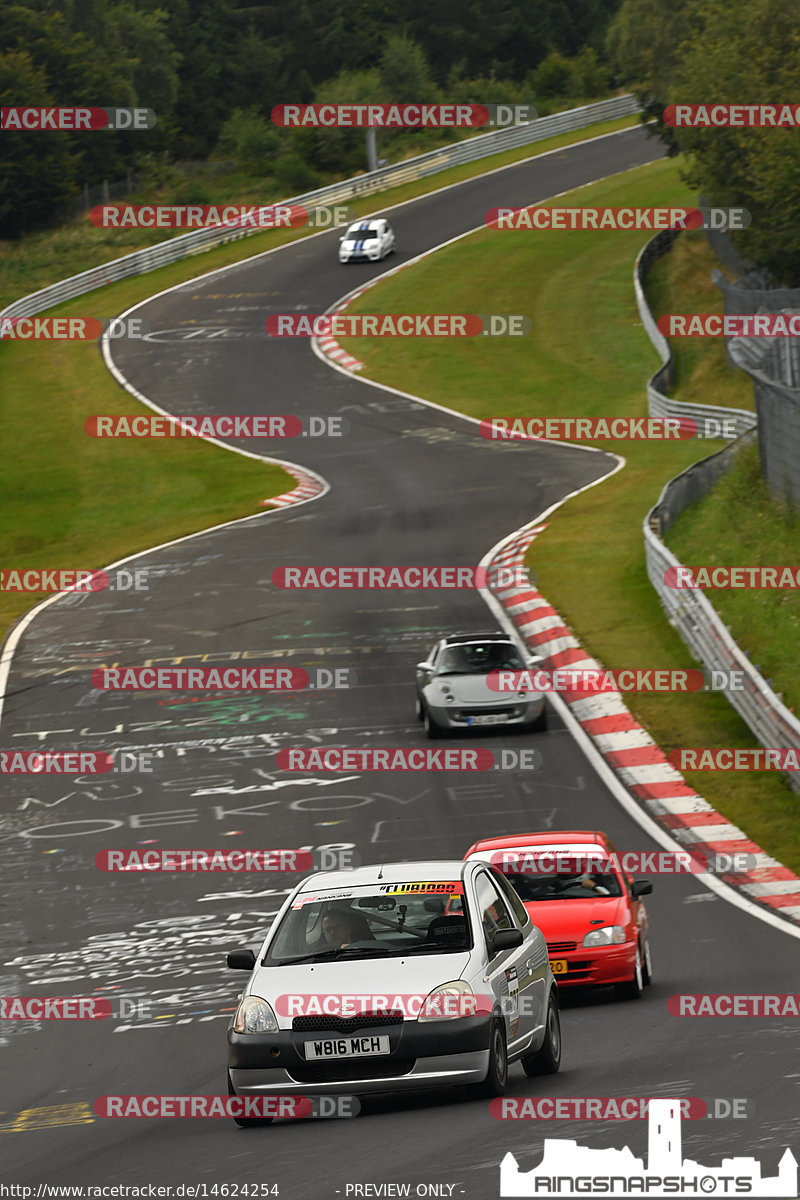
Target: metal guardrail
<point>658,403</point>
<point>688,609</point>
<point>198,240</point>
<point>701,627</point>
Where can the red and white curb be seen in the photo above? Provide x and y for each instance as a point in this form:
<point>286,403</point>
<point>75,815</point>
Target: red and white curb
<point>308,486</point>
<point>331,349</point>
<point>637,761</point>
<point>329,345</point>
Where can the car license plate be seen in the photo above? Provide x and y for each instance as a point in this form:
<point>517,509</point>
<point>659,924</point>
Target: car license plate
<point>559,966</point>
<point>488,719</point>
<point>347,1047</point>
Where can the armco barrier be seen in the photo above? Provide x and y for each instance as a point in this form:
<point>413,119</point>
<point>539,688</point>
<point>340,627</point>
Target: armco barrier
<point>194,242</point>
<point>688,609</point>
<point>658,403</point>
<point>701,627</point>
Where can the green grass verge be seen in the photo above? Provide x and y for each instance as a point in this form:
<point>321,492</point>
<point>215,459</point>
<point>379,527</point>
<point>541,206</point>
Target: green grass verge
<point>587,355</point>
<point>680,282</point>
<point>69,500</point>
<point>740,524</point>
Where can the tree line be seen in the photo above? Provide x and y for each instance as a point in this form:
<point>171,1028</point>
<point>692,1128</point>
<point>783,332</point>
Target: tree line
<point>212,70</point>
<point>724,52</point>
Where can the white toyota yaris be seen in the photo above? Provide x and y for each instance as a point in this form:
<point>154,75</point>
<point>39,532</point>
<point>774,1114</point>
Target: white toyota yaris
<point>363,984</point>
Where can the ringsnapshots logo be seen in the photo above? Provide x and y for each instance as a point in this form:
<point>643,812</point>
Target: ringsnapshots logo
<point>76,120</point>
<point>569,1170</point>
<point>652,219</point>
<point>400,116</point>
<point>399,325</point>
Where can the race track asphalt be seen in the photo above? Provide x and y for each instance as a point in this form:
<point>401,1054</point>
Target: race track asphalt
<point>408,485</point>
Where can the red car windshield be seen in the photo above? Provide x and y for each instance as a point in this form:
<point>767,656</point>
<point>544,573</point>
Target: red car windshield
<point>530,887</point>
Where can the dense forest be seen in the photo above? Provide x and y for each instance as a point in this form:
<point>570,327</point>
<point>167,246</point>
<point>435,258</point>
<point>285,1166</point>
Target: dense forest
<point>213,69</point>
<point>731,52</point>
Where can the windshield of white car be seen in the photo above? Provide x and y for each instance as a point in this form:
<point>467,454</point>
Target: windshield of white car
<point>362,235</point>
<point>587,886</point>
<point>476,658</point>
<point>368,923</point>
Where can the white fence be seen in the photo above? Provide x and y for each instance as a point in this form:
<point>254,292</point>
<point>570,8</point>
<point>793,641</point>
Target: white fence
<point>470,150</point>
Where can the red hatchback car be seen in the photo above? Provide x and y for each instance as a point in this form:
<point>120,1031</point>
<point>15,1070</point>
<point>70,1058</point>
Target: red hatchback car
<point>591,914</point>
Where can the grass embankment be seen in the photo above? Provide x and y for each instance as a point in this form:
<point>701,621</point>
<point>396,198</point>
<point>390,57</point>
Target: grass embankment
<point>587,355</point>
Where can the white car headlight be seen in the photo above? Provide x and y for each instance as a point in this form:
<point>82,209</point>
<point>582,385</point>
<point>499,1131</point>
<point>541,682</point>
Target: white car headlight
<point>449,1001</point>
<point>609,935</point>
<point>254,1015</point>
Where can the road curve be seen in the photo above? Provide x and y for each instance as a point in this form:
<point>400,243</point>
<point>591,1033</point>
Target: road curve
<point>409,484</point>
